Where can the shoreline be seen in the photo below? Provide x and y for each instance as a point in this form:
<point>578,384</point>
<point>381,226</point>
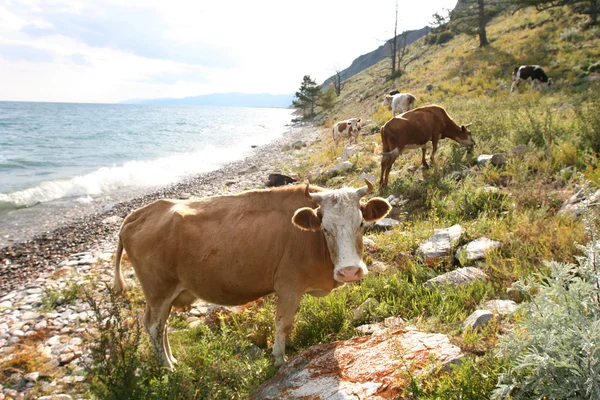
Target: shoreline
<point>23,262</point>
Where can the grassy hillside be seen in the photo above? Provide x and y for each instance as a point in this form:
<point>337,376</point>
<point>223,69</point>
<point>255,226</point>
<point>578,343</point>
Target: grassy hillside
<point>561,132</point>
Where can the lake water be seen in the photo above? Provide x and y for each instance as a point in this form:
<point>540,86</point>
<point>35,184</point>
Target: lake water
<point>60,160</point>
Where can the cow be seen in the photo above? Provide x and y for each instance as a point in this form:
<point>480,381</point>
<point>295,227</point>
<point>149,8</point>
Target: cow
<point>234,249</point>
<point>414,129</point>
<point>349,128</point>
<point>400,102</point>
<point>532,73</point>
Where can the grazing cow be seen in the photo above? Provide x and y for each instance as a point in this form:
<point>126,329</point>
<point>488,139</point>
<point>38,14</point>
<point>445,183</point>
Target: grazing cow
<point>415,129</point>
<point>532,73</point>
<point>234,249</point>
<point>399,103</point>
<point>349,128</point>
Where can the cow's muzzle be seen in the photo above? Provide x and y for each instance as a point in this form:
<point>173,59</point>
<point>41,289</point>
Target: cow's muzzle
<point>350,274</point>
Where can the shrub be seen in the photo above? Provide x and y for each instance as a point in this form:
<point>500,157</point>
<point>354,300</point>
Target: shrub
<point>445,37</point>
<point>554,350</point>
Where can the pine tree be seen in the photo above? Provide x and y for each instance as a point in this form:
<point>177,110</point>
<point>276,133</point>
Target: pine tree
<point>328,97</point>
<point>307,96</point>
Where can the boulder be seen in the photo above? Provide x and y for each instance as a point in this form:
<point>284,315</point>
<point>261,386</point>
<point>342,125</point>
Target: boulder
<point>459,277</point>
<point>500,307</point>
<point>343,166</point>
<point>386,223</point>
<point>349,151</point>
<point>478,319</point>
<point>440,243</point>
<point>579,202</point>
<point>476,250</point>
<point>368,305</point>
<point>366,367</point>
<point>495,159</point>
<point>279,180</point>
<point>365,176</point>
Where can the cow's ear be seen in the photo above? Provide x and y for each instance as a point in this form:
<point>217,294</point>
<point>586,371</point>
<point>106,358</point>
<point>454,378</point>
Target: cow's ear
<point>359,120</point>
<point>307,219</point>
<point>375,209</point>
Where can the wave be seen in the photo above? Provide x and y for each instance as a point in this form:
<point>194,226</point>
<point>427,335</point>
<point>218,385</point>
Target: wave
<point>133,174</point>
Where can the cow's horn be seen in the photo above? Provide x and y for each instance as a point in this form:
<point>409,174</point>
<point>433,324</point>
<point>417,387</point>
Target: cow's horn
<point>316,197</point>
<point>469,124</point>
<point>365,190</point>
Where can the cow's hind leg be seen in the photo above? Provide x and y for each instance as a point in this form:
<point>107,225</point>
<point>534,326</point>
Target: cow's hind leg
<point>287,304</point>
<point>155,320</point>
<point>423,160</point>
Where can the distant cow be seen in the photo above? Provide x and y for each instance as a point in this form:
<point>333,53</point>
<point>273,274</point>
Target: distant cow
<point>349,128</point>
<point>532,73</point>
<point>234,249</point>
<point>400,102</point>
<point>415,129</point>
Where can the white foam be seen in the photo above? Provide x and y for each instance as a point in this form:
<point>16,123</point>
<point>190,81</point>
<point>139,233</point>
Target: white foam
<point>133,174</point>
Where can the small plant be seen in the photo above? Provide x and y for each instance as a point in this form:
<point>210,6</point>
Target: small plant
<point>54,297</point>
<point>554,350</point>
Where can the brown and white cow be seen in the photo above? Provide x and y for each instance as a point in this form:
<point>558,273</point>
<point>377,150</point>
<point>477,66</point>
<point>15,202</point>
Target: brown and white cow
<point>414,129</point>
<point>533,73</point>
<point>399,102</point>
<point>234,249</point>
<point>349,128</point>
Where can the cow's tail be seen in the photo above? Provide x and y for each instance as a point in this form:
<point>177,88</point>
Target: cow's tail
<point>390,156</point>
<point>118,283</point>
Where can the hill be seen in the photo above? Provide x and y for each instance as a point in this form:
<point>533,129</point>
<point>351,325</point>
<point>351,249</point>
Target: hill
<point>381,53</point>
<point>225,100</point>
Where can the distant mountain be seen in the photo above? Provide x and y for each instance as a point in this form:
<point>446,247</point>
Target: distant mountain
<point>225,99</point>
<point>366,60</point>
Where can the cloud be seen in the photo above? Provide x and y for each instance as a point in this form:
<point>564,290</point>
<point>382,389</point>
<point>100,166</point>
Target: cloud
<point>16,52</point>
<point>135,30</point>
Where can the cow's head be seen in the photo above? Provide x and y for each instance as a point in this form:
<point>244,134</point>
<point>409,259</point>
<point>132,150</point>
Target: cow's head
<point>341,216</point>
<point>356,126</point>
<point>387,101</point>
<point>464,136</point>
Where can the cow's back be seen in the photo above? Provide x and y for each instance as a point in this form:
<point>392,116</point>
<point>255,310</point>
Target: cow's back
<point>223,249</point>
<point>416,126</point>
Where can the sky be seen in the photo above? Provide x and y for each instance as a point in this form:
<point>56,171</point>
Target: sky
<point>106,51</point>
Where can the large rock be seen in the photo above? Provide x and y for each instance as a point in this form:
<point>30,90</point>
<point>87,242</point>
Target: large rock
<point>476,250</point>
<point>478,319</point>
<point>500,307</point>
<point>459,277</point>
<point>343,166</point>
<point>579,202</point>
<point>367,367</point>
<point>386,223</point>
<point>495,159</point>
<point>440,243</point>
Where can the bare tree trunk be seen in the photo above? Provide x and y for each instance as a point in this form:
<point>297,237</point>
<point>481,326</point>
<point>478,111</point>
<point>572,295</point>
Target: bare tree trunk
<point>393,42</point>
<point>482,33</point>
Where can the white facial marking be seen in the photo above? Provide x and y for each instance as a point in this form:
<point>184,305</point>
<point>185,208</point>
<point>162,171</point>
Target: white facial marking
<point>342,227</point>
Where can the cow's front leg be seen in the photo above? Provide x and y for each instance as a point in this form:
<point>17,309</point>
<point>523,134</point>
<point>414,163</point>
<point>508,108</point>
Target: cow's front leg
<point>287,304</point>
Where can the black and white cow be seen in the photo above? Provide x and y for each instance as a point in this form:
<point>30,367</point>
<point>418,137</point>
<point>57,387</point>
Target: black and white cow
<point>532,73</point>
